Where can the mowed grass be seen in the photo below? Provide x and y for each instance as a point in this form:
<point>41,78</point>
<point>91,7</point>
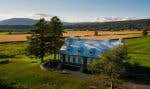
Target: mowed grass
<point>3,33</point>
<point>11,50</point>
<point>139,50</point>
<point>23,73</point>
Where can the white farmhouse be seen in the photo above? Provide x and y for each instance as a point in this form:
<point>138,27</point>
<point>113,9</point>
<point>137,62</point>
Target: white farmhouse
<point>79,52</point>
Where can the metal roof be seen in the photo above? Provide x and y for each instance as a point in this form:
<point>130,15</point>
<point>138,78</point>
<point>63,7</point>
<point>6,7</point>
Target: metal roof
<point>87,47</point>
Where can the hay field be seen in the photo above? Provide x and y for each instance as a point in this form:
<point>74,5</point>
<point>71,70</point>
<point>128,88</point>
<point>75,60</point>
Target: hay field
<point>10,38</point>
<point>103,35</point>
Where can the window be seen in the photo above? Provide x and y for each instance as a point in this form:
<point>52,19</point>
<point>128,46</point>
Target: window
<point>91,51</point>
<point>74,59</point>
<point>68,58</point>
<point>80,60</point>
<point>77,58</point>
<point>71,59</point>
<point>79,49</point>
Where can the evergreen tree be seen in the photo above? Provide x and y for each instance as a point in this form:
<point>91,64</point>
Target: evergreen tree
<point>96,33</point>
<point>56,34</point>
<point>37,45</point>
<point>145,32</point>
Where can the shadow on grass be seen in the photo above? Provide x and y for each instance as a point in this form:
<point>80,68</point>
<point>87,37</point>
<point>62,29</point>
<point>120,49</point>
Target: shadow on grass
<point>2,56</point>
<point>4,85</point>
<point>53,64</point>
<point>6,61</point>
<point>139,74</point>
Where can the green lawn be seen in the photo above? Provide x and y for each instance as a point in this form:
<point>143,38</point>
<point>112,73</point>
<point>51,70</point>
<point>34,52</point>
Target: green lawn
<point>3,33</point>
<point>139,49</point>
<point>22,72</point>
<point>25,74</point>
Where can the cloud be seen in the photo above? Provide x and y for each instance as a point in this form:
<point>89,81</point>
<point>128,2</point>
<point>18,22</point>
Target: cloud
<point>41,15</point>
<point>47,16</point>
<point>108,19</point>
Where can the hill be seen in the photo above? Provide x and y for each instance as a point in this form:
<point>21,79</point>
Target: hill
<point>18,21</point>
<point>17,24</point>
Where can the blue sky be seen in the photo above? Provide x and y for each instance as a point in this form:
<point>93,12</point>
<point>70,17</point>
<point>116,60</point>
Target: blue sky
<point>76,10</point>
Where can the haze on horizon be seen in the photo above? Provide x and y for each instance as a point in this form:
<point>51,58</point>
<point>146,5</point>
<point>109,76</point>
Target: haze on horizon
<point>76,10</point>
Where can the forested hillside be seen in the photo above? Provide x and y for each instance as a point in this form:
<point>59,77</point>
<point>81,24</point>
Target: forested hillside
<point>117,25</point>
<point>114,26</point>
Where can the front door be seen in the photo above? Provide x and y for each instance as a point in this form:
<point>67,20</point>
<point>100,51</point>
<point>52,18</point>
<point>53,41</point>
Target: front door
<point>85,61</point>
<point>63,58</point>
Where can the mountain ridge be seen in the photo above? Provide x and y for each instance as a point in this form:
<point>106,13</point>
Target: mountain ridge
<point>27,23</point>
<point>18,21</point>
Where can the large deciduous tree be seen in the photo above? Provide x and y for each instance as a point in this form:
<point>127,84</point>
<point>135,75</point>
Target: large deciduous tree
<point>112,64</point>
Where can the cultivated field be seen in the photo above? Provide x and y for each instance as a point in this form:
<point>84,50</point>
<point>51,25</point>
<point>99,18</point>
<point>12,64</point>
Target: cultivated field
<point>9,38</point>
<point>103,35</point>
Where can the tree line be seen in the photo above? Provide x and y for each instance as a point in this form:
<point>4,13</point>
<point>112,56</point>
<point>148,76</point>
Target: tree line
<point>46,38</point>
<point>112,26</point>
<point>109,26</point>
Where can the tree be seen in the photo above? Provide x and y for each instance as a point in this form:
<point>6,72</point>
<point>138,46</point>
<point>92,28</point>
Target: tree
<point>112,64</point>
<point>10,32</point>
<point>145,32</point>
<point>37,45</point>
<point>46,38</point>
<point>96,33</point>
<point>56,34</point>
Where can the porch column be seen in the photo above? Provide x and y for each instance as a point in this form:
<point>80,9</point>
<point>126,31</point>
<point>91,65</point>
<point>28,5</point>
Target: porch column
<point>83,66</point>
<point>62,61</point>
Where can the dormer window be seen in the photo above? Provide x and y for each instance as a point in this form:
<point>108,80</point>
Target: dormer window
<point>79,49</point>
<point>68,49</point>
<point>70,41</point>
<point>91,51</point>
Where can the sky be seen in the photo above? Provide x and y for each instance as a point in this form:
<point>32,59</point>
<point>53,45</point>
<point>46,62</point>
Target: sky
<point>76,10</point>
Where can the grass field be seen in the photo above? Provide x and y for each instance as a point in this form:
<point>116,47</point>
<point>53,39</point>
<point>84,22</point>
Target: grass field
<point>25,74</point>
<point>22,72</point>
<point>103,35</point>
<point>3,33</point>
<point>139,50</point>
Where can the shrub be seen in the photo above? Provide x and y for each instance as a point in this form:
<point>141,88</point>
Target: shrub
<point>96,33</point>
<point>4,61</point>
<point>145,32</point>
